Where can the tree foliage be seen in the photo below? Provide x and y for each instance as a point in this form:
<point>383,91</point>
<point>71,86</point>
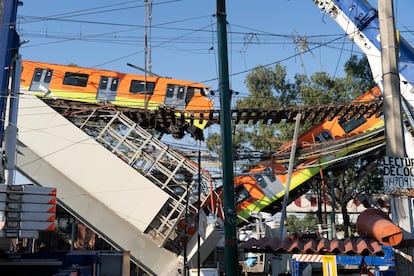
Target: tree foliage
<point>269,88</point>
<point>306,224</point>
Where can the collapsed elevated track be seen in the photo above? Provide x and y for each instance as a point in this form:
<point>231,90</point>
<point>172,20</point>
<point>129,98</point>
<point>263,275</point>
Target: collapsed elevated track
<point>168,120</point>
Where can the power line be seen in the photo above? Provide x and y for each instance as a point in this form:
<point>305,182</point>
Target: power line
<point>175,43</point>
<point>98,10</point>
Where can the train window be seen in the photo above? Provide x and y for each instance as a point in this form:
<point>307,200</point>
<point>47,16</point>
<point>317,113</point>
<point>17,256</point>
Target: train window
<point>37,74</point>
<point>114,84</point>
<point>180,93</point>
<point>104,83</point>
<point>180,90</point>
<point>241,194</point>
<point>138,87</point>
<point>324,136</point>
<point>350,125</point>
<point>76,79</point>
<point>260,180</point>
<point>170,91</point>
<point>48,76</point>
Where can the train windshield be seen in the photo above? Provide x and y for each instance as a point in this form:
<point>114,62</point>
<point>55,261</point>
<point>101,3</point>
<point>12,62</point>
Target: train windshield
<point>176,96</point>
<point>241,194</point>
<point>352,124</point>
<point>324,136</point>
<point>265,178</point>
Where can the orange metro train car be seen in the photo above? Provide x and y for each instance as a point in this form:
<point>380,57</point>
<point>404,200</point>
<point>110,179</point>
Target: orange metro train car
<point>91,85</point>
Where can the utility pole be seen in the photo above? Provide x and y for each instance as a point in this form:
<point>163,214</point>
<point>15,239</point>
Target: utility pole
<point>394,134</point>
<point>401,206</point>
<point>290,171</point>
<point>147,50</point>
<point>230,216</point>
<point>9,45</point>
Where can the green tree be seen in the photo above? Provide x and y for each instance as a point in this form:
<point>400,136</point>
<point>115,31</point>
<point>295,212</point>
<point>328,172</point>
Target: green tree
<point>296,225</point>
<point>292,224</point>
<point>352,179</point>
<point>358,75</point>
<point>268,89</point>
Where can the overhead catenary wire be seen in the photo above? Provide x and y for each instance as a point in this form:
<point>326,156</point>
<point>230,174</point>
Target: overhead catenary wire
<point>198,30</point>
<point>178,46</point>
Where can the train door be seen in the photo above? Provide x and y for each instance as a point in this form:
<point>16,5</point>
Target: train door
<point>269,184</point>
<point>41,80</point>
<point>107,89</point>
<point>176,96</point>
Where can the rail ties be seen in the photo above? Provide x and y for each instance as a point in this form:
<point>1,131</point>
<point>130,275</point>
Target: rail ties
<point>165,117</point>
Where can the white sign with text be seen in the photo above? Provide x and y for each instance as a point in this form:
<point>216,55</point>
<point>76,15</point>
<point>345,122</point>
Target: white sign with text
<point>398,175</point>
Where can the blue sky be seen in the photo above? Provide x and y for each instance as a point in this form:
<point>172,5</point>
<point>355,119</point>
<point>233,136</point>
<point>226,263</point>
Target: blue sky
<point>109,33</point>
